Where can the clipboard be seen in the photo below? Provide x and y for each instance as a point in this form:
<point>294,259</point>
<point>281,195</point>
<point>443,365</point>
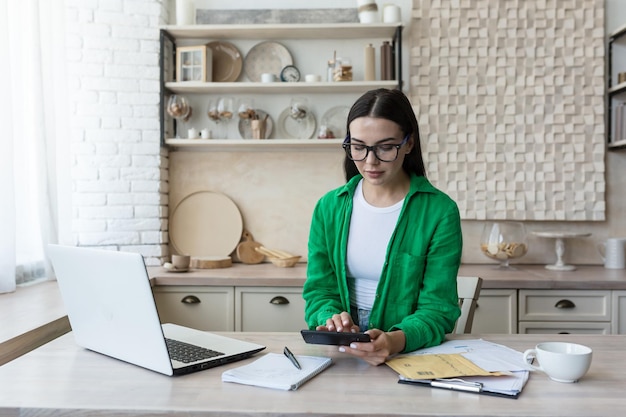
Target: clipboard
<point>457,384</point>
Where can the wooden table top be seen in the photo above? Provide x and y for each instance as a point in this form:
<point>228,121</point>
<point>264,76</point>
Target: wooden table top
<point>62,379</point>
<point>31,316</point>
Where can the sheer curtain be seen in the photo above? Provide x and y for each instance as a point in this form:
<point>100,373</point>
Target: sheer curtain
<point>34,157</point>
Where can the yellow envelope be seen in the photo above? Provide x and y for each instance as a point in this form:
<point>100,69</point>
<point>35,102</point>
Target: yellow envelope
<point>436,366</point>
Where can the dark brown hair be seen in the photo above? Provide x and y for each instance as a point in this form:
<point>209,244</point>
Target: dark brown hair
<point>395,106</point>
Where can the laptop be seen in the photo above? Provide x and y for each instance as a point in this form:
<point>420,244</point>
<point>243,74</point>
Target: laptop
<point>111,309</point>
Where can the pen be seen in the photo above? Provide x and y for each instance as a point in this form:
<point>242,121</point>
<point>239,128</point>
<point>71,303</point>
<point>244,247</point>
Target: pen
<point>292,358</point>
<point>457,385</point>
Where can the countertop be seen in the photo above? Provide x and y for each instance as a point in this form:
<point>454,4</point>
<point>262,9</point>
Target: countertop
<point>518,277</point>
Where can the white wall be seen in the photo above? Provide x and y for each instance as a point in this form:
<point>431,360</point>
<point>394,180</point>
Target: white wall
<point>119,195</point>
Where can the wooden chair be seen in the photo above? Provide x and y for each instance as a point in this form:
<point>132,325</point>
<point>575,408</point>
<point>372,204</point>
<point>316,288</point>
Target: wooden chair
<point>469,290</point>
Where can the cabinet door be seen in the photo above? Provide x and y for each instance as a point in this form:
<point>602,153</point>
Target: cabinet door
<point>569,327</point>
<point>203,308</point>
<point>619,312</point>
<point>496,312</point>
<point>269,309</point>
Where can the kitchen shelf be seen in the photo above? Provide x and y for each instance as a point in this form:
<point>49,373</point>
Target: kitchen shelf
<point>616,94</point>
<point>192,87</point>
<point>253,144</point>
<point>619,144</point>
<point>619,88</point>
<point>618,32</point>
<point>326,33</point>
<point>285,31</point>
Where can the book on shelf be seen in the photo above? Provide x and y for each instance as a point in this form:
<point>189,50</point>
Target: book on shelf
<point>276,371</point>
<point>618,124</point>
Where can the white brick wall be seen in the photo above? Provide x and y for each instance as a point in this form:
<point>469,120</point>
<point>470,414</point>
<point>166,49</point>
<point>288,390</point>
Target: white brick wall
<point>119,172</point>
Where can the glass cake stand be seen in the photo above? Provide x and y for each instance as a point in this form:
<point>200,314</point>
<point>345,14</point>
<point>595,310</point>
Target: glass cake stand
<point>560,247</point>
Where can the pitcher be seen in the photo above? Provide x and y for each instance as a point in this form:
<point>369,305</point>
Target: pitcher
<point>612,252</point>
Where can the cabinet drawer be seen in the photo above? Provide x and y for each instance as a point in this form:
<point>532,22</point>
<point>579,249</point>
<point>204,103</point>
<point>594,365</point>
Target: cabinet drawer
<point>269,309</point>
<point>203,308</point>
<point>556,327</point>
<point>564,305</point>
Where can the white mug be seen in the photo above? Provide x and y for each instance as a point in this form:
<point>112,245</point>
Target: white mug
<point>267,77</point>
<point>561,361</point>
<point>192,133</point>
<point>612,252</point>
<point>205,134</point>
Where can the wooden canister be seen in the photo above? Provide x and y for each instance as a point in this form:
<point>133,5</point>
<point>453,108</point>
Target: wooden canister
<point>370,63</point>
<point>386,62</point>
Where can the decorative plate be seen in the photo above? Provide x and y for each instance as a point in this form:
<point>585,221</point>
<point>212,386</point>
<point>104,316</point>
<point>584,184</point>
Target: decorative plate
<point>205,223</point>
<point>266,57</point>
<point>227,61</point>
<point>290,128</point>
<point>245,130</point>
<point>333,122</point>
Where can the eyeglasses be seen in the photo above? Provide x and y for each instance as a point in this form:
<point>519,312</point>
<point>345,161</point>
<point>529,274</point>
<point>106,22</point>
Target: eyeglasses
<point>386,152</point>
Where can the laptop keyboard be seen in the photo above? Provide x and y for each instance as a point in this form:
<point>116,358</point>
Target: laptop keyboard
<point>186,353</point>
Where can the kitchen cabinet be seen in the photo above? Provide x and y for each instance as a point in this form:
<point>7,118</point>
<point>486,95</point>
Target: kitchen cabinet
<point>591,299</point>
<point>564,311</point>
<point>303,42</point>
<point>496,312</point>
<point>616,90</point>
<point>232,308</point>
<point>269,309</point>
<point>619,312</point>
<point>200,307</point>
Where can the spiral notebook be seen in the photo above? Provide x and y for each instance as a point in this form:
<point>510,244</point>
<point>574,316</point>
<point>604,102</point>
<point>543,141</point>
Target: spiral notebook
<point>276,371</point>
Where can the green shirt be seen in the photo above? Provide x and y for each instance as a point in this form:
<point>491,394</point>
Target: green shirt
<point>417,289</point>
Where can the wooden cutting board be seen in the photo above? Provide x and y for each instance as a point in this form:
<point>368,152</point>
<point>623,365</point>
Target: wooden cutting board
<point>205,224</point>
<point>211,262</point>
<point>246,250</point>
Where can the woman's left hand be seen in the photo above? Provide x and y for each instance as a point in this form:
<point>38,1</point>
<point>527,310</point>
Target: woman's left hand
<point>381,346</point>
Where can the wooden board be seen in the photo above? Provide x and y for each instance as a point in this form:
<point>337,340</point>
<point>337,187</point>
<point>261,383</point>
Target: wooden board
<point>211,262</point>
<point>205,224</point>
<point>246,250</point>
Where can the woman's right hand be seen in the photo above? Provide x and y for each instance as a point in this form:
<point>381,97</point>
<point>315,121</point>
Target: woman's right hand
<point>339,323</point>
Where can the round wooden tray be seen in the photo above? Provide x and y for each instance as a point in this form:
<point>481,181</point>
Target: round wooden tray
<point>205,224</point>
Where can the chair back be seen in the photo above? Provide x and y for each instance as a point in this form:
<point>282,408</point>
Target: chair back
<point>469,291</point>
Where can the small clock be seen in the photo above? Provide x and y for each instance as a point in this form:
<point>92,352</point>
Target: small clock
<point>290,74</point>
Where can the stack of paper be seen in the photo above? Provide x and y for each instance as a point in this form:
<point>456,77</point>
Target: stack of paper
<point>493,369</point>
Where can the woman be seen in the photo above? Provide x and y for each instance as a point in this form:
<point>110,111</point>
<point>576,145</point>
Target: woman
<point>385,248</point>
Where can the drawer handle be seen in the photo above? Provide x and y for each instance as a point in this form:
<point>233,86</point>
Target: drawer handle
<point>564,304</point>
<point>190,299</point>
<point>279,300</point>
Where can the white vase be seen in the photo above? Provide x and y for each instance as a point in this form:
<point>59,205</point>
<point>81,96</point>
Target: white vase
<point>368,11</point>
<point>185,12</point>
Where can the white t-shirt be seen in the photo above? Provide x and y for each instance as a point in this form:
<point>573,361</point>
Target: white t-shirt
<point>370,230</point>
